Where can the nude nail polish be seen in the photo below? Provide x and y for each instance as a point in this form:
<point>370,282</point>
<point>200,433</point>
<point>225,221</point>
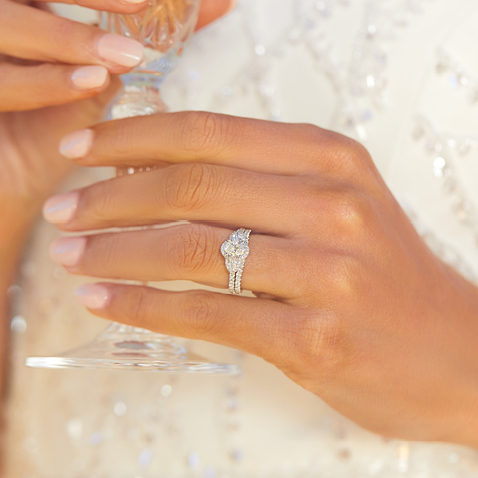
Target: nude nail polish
<point>68,251</point>
<point>89,77</point>
<point>120,50</point>
<point>93,296</point>
<point>77,144</point>
<point>61,208</point>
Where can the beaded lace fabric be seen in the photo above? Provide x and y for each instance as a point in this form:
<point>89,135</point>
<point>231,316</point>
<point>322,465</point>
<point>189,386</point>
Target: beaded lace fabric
<point>399,75</point>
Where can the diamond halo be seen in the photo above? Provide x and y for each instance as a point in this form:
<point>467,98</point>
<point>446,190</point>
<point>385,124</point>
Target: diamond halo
<point>235,251</point>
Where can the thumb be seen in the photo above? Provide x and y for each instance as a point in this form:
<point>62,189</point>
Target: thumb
<point>212,10</point>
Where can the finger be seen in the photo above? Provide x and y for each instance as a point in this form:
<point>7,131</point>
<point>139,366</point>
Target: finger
<point>31,87</point>
<point>204,137</point>
<point>261,327</point>
<point>195,192</point>
<point>32,34</point>
<point>185,252</point>
<point>115,6</point>
<point>211,10</point>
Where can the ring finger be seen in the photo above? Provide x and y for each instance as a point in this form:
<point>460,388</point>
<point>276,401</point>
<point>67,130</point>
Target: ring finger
<point>183,252</point>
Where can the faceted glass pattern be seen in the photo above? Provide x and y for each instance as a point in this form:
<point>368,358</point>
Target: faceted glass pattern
<point>163,28</point>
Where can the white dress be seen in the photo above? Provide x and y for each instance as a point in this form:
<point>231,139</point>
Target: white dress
<point>399,75</point>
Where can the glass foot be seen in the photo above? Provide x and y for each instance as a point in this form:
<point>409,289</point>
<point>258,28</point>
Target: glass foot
<point>128,348</point>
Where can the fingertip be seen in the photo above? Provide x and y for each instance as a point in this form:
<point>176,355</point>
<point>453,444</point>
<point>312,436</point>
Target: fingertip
<point>61,208</point>
<point>77,144</point>
<point>93,296</point>
<point>87,78</point>
<point>68,251</point>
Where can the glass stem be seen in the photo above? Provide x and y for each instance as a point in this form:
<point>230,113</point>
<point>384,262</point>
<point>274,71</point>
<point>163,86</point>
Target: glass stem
<point>140,96</point>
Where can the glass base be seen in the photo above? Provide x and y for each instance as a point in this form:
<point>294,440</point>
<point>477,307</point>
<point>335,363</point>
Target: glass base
<point>128,348</point>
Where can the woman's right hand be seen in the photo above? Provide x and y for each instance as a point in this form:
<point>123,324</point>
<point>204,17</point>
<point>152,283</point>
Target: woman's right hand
<point>72,61</point>
<point>49,60</point>
<point>55,77</point>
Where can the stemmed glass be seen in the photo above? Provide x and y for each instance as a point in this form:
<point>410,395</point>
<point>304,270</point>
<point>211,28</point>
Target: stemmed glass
<point>163,27</point>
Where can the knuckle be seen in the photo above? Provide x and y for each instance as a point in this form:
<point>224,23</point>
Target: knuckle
<point>352,212</point>
<point>98,202</point>
<point>343,153</point>
<point>323,344</point>
<point>140,307</point>
<point>108,247</point>
<point>114,139</point>
<point>60,33</point>
<point>352,156</point>
<point>342,278</point>
<point>313,132</point>
<point>201,313</point>
<point>204,133</point>
<point>193,251</point>
<point>189,187</point>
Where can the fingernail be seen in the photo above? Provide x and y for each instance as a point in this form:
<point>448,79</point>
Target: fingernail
<point>135,2</point>
<point>120,50</point>
<point>68,250</point>
<point>77,144</point>
<point>61,208</point>
<point>93,296</point>
<point>89,77</point>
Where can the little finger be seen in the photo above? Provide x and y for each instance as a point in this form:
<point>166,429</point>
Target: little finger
<point>269,329</point>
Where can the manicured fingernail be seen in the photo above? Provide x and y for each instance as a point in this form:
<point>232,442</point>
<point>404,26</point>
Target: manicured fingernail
<point>77,144</point>
<point>61,208</point>
<point>93,296</point>
<point>89,77</point>
<point>68,250</point>
<point>120,50</point>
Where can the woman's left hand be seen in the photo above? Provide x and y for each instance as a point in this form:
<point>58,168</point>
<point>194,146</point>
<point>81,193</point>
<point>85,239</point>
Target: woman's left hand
<point>351,304</point>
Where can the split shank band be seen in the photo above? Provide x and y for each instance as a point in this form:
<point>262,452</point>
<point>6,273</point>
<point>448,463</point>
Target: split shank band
<point>235,250</point>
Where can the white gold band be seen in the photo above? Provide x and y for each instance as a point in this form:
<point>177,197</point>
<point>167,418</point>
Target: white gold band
<point>235,250</point>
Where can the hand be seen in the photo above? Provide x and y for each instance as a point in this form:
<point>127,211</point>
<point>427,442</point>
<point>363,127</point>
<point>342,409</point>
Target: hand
<point>351,303</point>
<point>55,79</point>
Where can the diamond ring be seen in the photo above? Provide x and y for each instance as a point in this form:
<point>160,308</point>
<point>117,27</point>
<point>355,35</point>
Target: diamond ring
<point>235,250</point>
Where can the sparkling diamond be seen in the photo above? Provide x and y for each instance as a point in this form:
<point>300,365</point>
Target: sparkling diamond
<point>232,264</point>
<point>242,250</point>
<point>229,248</point>
<point>242,235</point>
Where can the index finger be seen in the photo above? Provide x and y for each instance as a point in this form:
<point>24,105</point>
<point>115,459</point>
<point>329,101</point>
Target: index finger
<point>252,144</point>
<point>114,6</point>
<point>32,34</point>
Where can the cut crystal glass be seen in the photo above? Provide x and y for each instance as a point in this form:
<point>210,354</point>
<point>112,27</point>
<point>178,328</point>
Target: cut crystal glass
<point>163,27</point>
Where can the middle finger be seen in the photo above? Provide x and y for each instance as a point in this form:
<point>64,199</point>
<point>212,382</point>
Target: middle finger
<point>196,192</point>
